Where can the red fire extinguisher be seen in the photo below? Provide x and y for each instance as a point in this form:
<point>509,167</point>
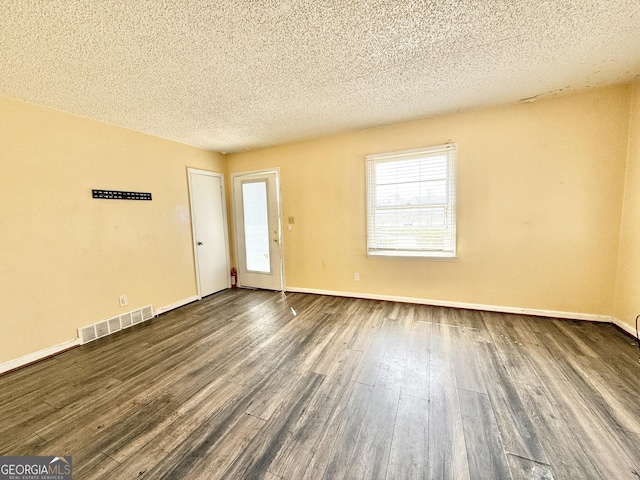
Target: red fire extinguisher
<point>234,278</point>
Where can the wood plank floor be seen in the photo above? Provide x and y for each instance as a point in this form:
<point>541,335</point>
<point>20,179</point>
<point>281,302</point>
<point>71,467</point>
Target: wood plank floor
<point>237,386</point>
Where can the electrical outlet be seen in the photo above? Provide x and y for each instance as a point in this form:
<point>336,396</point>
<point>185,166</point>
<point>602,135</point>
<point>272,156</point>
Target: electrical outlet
<point>356,277</point>
<point>123,300</point>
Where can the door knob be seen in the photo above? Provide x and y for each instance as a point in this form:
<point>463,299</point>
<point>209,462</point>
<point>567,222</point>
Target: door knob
<point>200,243</point>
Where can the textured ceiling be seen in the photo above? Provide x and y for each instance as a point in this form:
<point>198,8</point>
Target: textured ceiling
<point>230,75</point>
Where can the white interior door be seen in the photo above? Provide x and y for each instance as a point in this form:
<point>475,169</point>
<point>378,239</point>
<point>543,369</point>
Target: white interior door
<point>210,235</point>
<point>256,209</point>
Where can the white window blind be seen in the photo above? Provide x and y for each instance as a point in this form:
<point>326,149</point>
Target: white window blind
<point>411,203</point>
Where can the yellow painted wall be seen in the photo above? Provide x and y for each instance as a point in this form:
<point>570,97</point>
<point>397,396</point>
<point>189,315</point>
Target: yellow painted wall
<point>539,205</point>
<point>540,200</point>
<point>64,257</point>
<point>627,304</point>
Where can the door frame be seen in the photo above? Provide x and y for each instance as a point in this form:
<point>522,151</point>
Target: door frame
<point>198,171</point>
<point>233,176</point>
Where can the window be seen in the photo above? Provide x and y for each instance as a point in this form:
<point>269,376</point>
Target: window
<point>411,203</point>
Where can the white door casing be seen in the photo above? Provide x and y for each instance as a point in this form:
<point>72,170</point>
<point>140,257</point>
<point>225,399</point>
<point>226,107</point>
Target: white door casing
<point>210,232</point>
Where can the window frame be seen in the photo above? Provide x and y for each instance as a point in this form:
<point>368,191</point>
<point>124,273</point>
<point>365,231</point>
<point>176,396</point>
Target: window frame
<point>449,251</point>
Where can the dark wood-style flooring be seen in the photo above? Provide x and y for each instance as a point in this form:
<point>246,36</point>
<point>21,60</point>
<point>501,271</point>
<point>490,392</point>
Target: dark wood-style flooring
<point>237,386</point>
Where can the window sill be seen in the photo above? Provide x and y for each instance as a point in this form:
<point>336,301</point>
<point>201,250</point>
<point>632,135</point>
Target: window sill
<point>412,255</point>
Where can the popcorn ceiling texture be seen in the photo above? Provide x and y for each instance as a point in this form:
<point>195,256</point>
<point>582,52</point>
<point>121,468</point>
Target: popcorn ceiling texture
<point>231,75</point>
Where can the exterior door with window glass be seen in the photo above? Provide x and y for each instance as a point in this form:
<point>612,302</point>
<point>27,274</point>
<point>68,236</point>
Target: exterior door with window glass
<point>256,208</point>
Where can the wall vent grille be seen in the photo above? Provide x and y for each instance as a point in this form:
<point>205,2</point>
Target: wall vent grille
<point>87,334</point>
<point>102,329</point>
<point>125,320</point>
<point>115,324</point>
<point>147,313</point>
<point>136,316</point>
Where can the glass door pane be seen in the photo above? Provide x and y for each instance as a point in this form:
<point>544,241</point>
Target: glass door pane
<point>256,226</point>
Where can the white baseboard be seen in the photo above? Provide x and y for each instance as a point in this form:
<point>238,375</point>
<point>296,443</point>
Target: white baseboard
<point>178,304</point>
<point>40,355</point>
<point>47,352</point>
<point>470,306</point>
<point>630,329</point>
